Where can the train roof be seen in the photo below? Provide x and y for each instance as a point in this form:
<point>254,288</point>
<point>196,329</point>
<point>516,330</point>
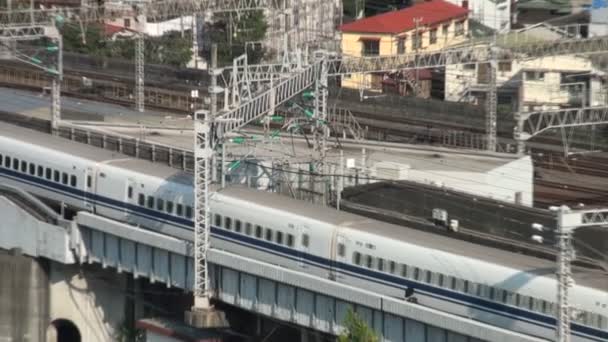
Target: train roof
<point>541,267</point>
<point>591,278</point>
<point>94,154</point>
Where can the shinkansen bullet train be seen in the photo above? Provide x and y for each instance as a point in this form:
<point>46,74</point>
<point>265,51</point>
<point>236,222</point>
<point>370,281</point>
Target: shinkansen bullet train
<point>503,289</point>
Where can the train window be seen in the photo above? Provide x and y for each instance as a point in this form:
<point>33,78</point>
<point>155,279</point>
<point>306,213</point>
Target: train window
<point>130,192</point>
<point>427,277</point>
<point>290,240</point>
<point>15,164</point>
<point>248,228</point>
<point>150,202</point>
<point>369,261</point>
<point>142,199</point>
<point>218,220</point>
<point>392,267</point>
<point>40,171</point>
<point>169,207</point>
<point>179,209</point>
<point>7,162</point>
<point>64,178</point>
<point>188,211</point>
<point>73,180</point>
<point>48,173</point>
<point>492,293</point>
<point>56,176</point>
<point>258,231</point>
<point>160,204</point>
<point>227,223</point>
<point>380,264</point>
<point>440,280</point>
<point>356,258</point>
<point>23,166</point>
<point>404,270</point>
<point>32,169</point>
<point>305,240</point>
<point>268,235</point>
<point>279,237</point>
<point>463,285</point>
<point>90,182</point>
<point>1,159</point>
<point>417,273</point>
<point>237,226</point>
<point>341,249</point>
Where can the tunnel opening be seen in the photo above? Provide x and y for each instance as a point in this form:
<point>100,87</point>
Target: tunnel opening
<point>66,331</point>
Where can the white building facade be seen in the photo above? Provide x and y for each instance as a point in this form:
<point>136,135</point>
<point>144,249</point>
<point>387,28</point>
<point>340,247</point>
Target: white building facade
<point>495,14</point>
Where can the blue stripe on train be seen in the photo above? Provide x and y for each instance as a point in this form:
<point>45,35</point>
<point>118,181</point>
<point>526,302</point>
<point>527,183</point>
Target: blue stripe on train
<point>350,269</point>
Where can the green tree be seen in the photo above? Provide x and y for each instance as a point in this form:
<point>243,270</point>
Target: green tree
<point>248,27</point>
<point>356,330</point>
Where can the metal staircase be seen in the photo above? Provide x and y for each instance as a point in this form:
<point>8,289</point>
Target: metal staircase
<point>342,120</point>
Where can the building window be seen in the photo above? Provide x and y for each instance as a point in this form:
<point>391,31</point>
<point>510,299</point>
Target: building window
<point>504,66</point>
<point>433,36</point>
<point>371,47</point>
<point>401,46</point>
<point>469,66</point>
<point>416,41</point>
<point>459,31</point>
<point>535,76</point>
<point>444,29</point>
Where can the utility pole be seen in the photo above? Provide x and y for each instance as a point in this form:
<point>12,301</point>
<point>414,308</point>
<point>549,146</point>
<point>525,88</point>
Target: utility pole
<point>321,130</point>
<point>139,72</point>
<point>417,44</point>
<point>564,280</point>
<point>567,221</point>
<point>56,88</point>
<point>491,101</point>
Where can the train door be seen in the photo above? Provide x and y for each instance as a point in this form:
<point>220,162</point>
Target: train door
<point>303,245</point>
<point>338,255</point>
<point>89,189</point>
<point>130,187</point>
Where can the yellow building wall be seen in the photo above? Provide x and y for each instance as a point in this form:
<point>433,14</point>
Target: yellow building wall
<point>352,45</point>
